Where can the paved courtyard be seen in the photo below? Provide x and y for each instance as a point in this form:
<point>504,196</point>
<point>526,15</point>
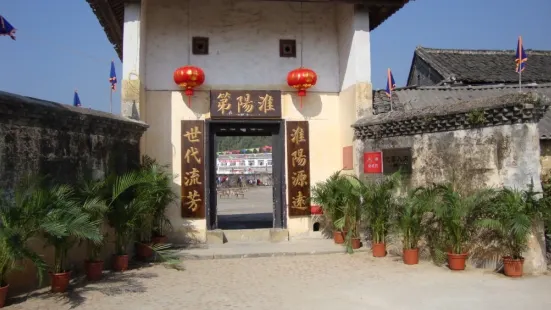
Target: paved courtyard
<point>315,282</point>
<point>254,210</point>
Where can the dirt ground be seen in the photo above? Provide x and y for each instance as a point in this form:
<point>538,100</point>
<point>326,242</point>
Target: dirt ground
<point>315,282</point>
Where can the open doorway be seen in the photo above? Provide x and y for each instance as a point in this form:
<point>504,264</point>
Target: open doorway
<point>245,170</point>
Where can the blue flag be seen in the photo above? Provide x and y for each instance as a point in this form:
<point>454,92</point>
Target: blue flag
<point>520,57</point>
<point>113,77</point>
<point>6,29</point>
<point>390,84</point>
<point>76,100</point>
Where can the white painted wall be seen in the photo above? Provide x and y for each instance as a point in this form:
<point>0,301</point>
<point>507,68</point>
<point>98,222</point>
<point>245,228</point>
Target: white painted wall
<point>354,46</point>
<point>243,42</point>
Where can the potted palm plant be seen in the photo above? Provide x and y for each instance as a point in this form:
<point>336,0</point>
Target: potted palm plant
<point>64,225</point>
<point>514,213</point>
<point>125,212</point>
<point>89,194</point>
<point>350,211</point>
<point>328,194</point>
<point>408,221</point>
<point>378,203</point>
<point>158,190</point>
<point>458,214</point>
<point>19,222</point>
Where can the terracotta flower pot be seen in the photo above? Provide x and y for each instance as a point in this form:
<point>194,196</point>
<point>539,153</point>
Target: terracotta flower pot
<point>120,262</point>
<point>513,267</point>
<point>143,250</point>
<point>159,240</point>
<point>411,256</point>
<point>316,210</point>
<point>457,261</point>
<point>94,270</point>
<point>356,243</point>
<point>60,281</point>
<point>379,249</point>
<point>3,295</point>
<point>338,237</point>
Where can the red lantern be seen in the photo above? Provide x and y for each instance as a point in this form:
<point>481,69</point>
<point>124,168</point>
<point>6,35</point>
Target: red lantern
<point>189,77</point>
<point>302,79</point>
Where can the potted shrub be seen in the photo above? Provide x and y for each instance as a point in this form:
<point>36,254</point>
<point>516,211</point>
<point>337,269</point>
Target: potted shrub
<point>514,213</point>
<point>63,225</point>
<point>90,195</point>
<point>408,221</point>
<point>159,190</point>
<point>350,211</point>
<point>125,211</point>
<point>458,213</point>
<point>378,203</point>
<point>328,194</point>
<point>19,222</point>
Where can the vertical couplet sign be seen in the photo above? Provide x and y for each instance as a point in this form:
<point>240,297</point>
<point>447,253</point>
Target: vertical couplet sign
<point>298,167</point>
<point>373,162</point>
<point>193,172</point>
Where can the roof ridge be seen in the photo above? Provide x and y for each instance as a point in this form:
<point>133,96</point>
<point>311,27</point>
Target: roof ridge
<point>463,87</point>
<point>480,51</point>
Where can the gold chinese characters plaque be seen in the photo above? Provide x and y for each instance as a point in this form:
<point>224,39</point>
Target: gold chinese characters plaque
<point>298,168</point>
<point>238,104</point>
<point>193,172</point>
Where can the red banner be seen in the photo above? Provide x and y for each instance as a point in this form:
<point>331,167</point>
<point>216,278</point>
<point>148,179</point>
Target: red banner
<point>373,162</point>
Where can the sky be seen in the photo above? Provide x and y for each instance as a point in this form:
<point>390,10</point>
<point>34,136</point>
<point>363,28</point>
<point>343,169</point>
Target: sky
<point>61,47</point>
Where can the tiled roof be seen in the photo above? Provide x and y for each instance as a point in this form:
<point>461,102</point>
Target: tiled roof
<point>486,66</point>
<point>409,98</point>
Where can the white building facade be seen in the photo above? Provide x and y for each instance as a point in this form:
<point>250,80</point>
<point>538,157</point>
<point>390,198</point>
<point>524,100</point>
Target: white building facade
<point>250,45</point>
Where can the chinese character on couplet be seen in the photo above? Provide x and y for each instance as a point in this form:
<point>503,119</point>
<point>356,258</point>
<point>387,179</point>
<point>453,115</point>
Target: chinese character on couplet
<point>297,135</point>
<point>245,103</point>
<point>192,177</point>
<point>298,158</point>
<point>266,104</point>
<point>193,134</point>
<point>300,178</point>
<point>192,152</point>
<point>300,202</point>
<point>224,103</point>
<point>193,200</point>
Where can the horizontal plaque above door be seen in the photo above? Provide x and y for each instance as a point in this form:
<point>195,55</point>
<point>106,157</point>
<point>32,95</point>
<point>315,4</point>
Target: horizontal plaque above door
<point>244,104</point>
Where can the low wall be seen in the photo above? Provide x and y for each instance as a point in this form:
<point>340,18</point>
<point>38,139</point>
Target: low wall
<point>485,143</point>
<point>65,143</point>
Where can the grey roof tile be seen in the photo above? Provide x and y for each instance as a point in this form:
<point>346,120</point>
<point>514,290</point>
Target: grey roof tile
<point>486,66</point>
<point>414,98</point>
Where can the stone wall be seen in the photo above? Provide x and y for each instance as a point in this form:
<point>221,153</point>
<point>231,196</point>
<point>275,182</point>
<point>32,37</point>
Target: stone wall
<point>491,142</point>
<point>65,143</point>
<point>62,141</point>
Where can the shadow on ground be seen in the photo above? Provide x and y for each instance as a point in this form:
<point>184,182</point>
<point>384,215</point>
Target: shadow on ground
<point>113,283</point>
<point>245,221</point>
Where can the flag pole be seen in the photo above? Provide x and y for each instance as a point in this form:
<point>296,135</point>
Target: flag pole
<point>520,78</point>
<point>111,100</point>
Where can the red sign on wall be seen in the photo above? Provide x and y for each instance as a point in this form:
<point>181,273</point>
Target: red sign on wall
<point>373,162</point>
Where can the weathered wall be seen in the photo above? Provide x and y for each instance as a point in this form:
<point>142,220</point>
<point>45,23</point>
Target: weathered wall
<point>500,156</point>
<point>243,42</point>
<point>422,74</point>
<point>66,143</point>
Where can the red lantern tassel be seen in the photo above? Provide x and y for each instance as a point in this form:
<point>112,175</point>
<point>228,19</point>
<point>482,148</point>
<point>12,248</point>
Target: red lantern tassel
<point>189,93</point>
<point>301,93</point>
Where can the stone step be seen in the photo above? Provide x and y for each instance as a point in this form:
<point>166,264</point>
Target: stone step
<point>220,236</point>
